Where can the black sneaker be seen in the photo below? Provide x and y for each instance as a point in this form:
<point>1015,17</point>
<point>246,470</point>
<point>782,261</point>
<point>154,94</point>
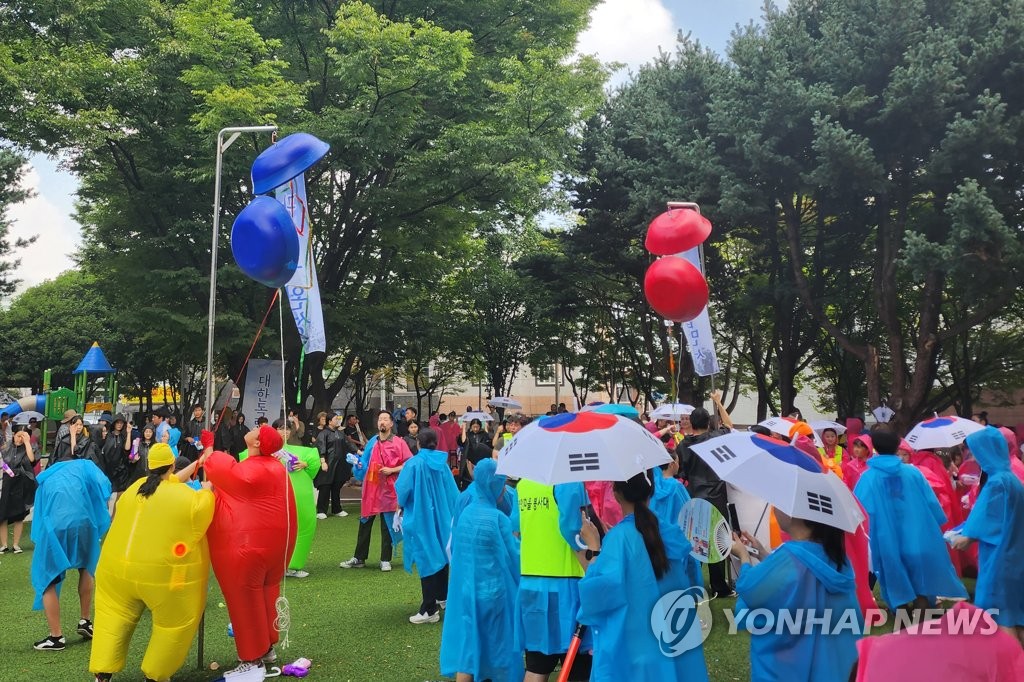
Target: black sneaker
<point>50,644</point>
<point>85,628</point>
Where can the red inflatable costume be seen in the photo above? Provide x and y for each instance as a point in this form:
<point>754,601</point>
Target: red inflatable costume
<point>251,537</point>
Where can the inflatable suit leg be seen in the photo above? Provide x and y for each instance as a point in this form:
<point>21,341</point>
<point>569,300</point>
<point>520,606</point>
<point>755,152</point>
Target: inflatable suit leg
<point>251,595</point>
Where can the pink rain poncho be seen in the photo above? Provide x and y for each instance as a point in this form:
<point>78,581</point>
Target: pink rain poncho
<point>951,650</point>
<point>853,468</point>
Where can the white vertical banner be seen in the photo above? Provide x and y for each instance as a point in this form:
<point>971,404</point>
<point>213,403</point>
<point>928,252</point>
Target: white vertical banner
<point>263,391</point>
<point>303,289</point>
<point>698,330</point>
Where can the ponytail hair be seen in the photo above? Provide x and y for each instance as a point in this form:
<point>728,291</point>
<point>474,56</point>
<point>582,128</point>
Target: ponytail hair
<point>832,539</point>
<point>152,481</point>
<point>638,491</point>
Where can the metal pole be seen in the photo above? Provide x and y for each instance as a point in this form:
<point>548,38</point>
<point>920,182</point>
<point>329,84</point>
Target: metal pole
<point>222,146</point>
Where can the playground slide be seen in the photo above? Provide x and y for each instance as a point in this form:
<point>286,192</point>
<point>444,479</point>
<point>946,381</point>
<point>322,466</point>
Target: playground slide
<point>36,403</point>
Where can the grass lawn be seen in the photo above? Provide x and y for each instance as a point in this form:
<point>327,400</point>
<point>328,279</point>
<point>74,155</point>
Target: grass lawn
<point>351,623</point>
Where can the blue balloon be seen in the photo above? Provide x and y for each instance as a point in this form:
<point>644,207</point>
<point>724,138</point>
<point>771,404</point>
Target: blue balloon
<point>286,159</point>
<point>264,242</point>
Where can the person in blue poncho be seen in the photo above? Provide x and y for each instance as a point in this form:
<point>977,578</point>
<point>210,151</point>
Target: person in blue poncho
<point>642,559</point>
<point>669,492</point>
<point>70,517</point>
<point>810,578</point>
<point>477,642</point>
<point>551,564</point>
<point>908,553</point>
<point>426,494</point>
<point>997,523</point>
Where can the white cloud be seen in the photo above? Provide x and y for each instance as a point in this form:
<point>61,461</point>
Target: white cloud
<point>46,215</point>
<point>628,31</point>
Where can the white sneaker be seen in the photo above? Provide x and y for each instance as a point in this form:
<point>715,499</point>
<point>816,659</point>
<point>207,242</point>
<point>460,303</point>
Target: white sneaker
<point>342,513</point>
<point>321,516</point>
<point>421,618</point>
<point>443,603</point>
<point>296,574</point>
<point>353,563</point>
<point>247,672</point>
<point>270,657</point>
<point>385,566</point>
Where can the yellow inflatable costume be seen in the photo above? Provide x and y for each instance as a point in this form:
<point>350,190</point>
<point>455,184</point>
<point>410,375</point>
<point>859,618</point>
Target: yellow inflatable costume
<point>154,557</point>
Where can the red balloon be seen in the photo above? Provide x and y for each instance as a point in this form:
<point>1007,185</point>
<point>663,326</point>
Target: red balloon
<point>675,289</point>
<point>675,231</point>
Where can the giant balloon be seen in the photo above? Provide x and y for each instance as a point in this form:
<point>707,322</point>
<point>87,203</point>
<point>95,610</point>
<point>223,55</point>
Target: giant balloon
<point>675,289</point>
<point>285,159</point>
<point>675,231</point>
<point>264,242</point>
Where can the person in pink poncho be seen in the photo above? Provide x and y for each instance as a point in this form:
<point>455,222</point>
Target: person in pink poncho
<point>382,461</point>
<point>861,450</point>
<point>947,649</point>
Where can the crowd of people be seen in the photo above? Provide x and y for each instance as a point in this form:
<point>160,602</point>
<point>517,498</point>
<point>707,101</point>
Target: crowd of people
<point>540,560</point>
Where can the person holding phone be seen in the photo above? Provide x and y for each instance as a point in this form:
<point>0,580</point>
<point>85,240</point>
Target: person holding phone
<point>17,487</point>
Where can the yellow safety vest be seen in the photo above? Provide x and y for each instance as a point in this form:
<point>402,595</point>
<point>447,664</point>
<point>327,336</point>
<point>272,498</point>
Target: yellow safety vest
<point>543,550</point>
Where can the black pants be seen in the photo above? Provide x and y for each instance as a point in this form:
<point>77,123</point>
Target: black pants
<point>330,493</point>
<point>363,540</point>
<point>435,589</point>
<point>716,573</point>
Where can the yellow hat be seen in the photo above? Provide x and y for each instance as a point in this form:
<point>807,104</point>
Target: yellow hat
<point>160,455</point>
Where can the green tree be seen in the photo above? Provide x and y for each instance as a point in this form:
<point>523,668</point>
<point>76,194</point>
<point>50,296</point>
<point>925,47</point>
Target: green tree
<point>51,326</point>
<point>440,118</point>
<point>11,193</point>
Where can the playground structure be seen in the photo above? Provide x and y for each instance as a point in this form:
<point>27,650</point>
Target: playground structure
<point>95,379</point>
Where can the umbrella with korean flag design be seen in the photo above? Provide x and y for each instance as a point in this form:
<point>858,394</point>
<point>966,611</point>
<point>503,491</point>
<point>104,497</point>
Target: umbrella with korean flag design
<point>585,446</point>
<point>941,432</point>
<point>783,476</point>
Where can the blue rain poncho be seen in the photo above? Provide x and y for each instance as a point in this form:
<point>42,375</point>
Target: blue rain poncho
<point>69,520</point>
<point>908,553</point>
<point>478,634</point>
<point>426,493</point>
<point>997,523</point>
<point>619,593</point>
<point>546,608</point>
<point>799,575</point>
<point>669,497</point>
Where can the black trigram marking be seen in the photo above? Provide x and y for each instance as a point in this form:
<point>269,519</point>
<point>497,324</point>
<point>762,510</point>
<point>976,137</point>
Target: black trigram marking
<point>819,503</point>
<point>583,461</point>
<point>723,454</point>
<point>912,438</point>
<point>960,435</point>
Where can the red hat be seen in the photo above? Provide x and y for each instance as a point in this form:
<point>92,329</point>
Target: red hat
<point>270,440</point>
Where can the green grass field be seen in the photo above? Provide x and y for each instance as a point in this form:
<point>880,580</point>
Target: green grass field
<point>351,623</point>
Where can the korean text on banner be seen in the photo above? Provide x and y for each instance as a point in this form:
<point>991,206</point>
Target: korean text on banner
<point>698,331</point>
<point>263,390</point>
<point>303,288</point>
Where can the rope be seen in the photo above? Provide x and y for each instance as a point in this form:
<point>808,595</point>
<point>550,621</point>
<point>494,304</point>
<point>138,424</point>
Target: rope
<point>283,620</point>
<point>248,355</point>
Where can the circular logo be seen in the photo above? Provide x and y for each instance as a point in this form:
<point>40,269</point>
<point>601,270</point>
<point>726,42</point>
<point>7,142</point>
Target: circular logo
<point>681,620</point>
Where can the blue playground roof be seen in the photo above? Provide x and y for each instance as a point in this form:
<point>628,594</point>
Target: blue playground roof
<point>94,362</point>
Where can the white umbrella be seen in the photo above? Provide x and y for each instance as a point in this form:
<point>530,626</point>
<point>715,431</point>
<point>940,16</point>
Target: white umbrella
<point>820,426</point>
<point>783,476</point>
<point>672,411</point>
<point>23,417</point>
<point>506,403</point>
<point>780,425</point>
<point>586,446</point>
<point>941,432</point>
<point>470,416</point>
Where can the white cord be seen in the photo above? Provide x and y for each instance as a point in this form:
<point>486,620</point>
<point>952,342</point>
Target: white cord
<point>283,620</point>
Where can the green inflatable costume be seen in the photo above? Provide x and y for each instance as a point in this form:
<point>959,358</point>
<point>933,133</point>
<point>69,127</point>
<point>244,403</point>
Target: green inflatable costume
<point>305,501</point>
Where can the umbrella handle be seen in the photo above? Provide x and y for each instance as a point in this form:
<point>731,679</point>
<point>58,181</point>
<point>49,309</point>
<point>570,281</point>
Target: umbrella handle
<point>570,656</point>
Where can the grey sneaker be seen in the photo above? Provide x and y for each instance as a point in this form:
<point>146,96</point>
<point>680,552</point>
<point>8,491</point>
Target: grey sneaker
<point>296,574</point>
<point>385,566</point>
<point>353,563</point>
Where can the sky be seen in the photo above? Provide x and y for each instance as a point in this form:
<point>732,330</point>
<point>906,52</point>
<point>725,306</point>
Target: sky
<point>626,31</point>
